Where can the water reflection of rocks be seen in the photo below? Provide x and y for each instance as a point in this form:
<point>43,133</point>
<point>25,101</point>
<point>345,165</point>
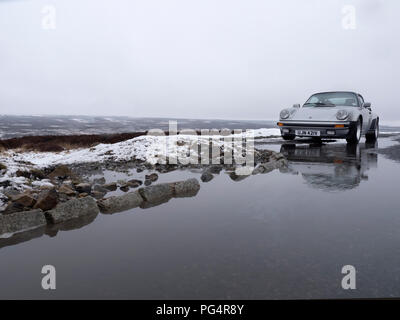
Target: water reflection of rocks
<point>331,167</point>
<point>78,213</point>
<point>81,207</point>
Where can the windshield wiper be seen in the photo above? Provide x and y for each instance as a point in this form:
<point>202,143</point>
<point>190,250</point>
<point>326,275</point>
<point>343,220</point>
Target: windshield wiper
<point>321,104</point>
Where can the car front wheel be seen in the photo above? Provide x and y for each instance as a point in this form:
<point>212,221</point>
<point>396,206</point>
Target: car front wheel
<point>355,133</point>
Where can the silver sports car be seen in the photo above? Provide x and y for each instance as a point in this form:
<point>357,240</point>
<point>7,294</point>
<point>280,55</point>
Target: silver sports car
<point>339,115</point>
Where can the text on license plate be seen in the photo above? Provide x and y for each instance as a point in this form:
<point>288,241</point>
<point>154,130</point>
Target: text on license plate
<point>311,133</point>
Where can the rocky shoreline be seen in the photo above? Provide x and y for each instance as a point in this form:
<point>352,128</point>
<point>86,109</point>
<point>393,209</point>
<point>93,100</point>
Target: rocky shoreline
<point>61,193</point>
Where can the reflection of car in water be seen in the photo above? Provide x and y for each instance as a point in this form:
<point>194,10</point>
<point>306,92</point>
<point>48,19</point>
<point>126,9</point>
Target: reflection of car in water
<point>331,167</point>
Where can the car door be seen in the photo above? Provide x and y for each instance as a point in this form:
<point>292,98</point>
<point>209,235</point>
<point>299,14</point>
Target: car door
<point>366,114</point>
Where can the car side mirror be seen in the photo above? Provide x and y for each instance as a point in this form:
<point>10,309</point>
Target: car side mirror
<point>367,105</point>
<point>297,105</point>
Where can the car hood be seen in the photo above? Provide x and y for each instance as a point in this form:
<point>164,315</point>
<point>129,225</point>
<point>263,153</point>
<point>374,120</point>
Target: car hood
<point>319,113</point>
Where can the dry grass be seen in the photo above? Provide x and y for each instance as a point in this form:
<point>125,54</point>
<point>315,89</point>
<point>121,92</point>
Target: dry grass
<point>60,143</point>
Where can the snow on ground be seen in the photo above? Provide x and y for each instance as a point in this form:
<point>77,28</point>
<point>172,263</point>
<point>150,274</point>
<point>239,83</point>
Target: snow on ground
<point>149,148</point>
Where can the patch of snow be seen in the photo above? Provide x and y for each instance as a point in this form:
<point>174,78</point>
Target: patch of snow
<point>42,183</point>
<point>150,148</point>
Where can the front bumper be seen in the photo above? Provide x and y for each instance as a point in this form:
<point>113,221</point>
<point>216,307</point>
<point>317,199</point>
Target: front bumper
<point>328,129</point>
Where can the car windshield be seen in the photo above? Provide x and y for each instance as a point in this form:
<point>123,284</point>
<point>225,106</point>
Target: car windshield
<point>332,99</point>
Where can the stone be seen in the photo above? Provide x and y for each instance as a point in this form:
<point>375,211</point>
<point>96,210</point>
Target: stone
<point>47,200</point>
<point>99,188</point>
<point>206,176</point>
<point>22,173</point>
<point>120,203</point>
<point>134,183</point>
<point>152,177</point>
<point>37,174</point>
<point>73,209</point>
<point>98,194</point>
<point>101,180</point>
<point>61,172</point>
<point>83,187</point>
<point>124,188</point>
<point>24,199</point>
<point>215,169</point>
<point>66,190</point>
<point>10,192</point>
<point>83,195</point>
<point>111,186</point>
<point>20,221</point>
<point>147,182</point>
<point>187,188</point>
<point>157,193</point>
<point>13,207</point>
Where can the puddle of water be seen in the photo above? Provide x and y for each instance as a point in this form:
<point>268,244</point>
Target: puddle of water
<point>279,235</point>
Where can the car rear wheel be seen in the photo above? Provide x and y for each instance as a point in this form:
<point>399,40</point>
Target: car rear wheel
<point>355,133</point>
<point>288,137</point>
<point>371,137</point>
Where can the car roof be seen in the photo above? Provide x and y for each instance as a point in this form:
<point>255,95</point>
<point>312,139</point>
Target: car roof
<point>338,92</point>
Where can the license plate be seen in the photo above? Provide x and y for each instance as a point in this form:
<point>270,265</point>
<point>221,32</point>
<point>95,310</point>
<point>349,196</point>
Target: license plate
<point>308,152</point>
<point>310,133</point>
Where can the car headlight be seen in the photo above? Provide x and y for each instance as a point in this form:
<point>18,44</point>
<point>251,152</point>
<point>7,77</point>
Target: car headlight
<point>284,114</point>
<point>342,115</point>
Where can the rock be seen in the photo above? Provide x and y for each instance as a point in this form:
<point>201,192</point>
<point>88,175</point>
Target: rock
<point>47,200</point>
<point>269,166</point>
<point>32,174</point>
<point>76,181</point>
<point>152,177</point>
<point>3,166</point>
<point>83,195</point>
<point>66,190</point>
<point>157,193</point>
<point>110,186</point>
<point>147,182</point>
<point>13,207</point>
<point>83,187</point>
<point>236,177</point>
<point>22,173</point>
<point>37,174</point>
<point>124,188</point>
<point>5,183</point>
<point>69,184</point>
<point>25,200</point>
<point>100,188</point>
<point>206,176</point>
<point>62,197</point>
<point>72,209</point>
<point>215,169</point>
<point>98,194</point>
<point>188,188</point>
<point>61,172</point>
<point>10,192</point>
<point>45,186</point>
<point>20,221</point>
<point>120,203</point>
<point>101,180</point>
<point>134,183</point>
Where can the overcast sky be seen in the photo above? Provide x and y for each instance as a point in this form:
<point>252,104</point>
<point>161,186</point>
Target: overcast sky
<point>238,59</point>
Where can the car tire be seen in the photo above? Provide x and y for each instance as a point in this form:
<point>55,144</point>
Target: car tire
<point>288,137</point>
<point>355,133</point>
<point>373,136</point>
